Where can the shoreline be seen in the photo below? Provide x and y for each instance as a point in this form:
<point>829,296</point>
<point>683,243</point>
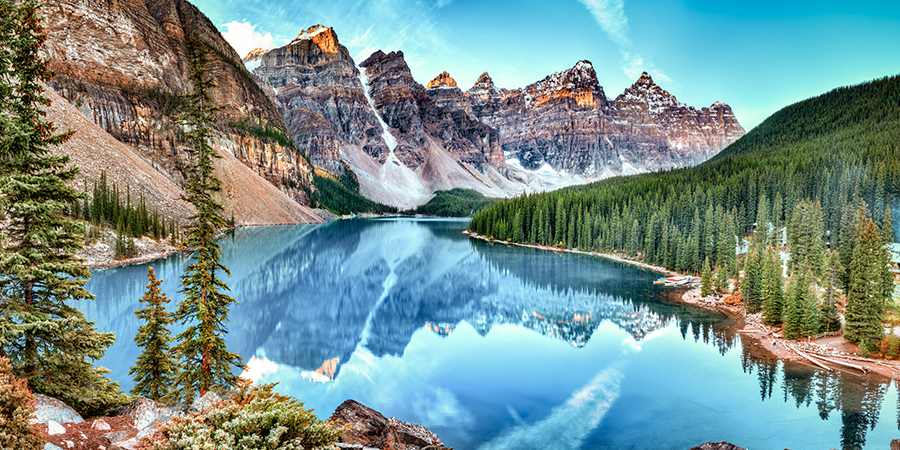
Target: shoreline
<point>838,354</point>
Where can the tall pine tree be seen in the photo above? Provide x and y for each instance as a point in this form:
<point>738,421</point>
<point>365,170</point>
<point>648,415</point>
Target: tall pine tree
<point>772,289</point>
<point>155,370</point>
<point>864,293</point>
<point>207,363</point>
<point>48,341</point>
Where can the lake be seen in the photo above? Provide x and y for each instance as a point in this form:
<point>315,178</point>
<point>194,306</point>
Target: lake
<point>501,347</point>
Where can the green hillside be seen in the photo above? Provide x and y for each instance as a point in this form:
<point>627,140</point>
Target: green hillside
<point>836,150</point>
<point>456,202</point>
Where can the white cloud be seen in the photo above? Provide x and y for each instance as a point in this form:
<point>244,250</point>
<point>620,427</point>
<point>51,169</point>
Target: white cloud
<point>610,14</point>
<point>243,37</point>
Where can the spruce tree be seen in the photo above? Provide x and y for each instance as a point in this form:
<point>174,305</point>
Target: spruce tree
<point>752,284</point>
<point>706,288</point>
<point>48,341</point>
<point>864,294</point>
<point>155,370</point>
<point>801,316</point>
<point>772,289</point>
<point>885,277</point>
<point>828,314</point>
<point>207,363</point>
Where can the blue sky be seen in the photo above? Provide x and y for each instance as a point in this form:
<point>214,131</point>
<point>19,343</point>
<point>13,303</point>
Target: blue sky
<point>757,56</point>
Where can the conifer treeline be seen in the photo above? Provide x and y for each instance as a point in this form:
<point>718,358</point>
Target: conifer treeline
<point>131,218</point>
<point>678,218</point>
<point>796,184</point>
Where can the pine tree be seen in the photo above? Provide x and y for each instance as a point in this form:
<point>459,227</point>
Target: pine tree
<point>48,341</point>
<point>155,370</point>
<point>885,277</point>
<point>772,289</point>
<point>207,363</point>
<point>801,316</point>
<point>706,288</point>
<point>752,285</point>
<point>828,314</point>
<point>864,296</point>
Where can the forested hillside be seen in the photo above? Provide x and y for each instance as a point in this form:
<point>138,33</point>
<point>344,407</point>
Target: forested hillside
<point>836,149</point>
<point>815,183</point>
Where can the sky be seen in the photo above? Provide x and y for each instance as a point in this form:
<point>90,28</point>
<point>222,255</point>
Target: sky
<point>757,56</point>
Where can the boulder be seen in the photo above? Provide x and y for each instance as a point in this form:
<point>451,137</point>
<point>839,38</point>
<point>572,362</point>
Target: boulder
<point>49,408</point>
<point>208,400</point>
<point>146,414</point>
<point>367,428</point>
<point>722,445</point>
<point>54,428</point>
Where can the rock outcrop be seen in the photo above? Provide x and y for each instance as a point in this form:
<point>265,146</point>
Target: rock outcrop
<point>718,446</point>
<point>566,122</point>
<point>249,198</point>
<point>367,428</point>
<point>123,64</point>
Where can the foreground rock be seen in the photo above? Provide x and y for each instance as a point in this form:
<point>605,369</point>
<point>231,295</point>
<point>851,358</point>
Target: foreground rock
<point>367,428</point>
<point>62,427</point>
<point>718,446</point>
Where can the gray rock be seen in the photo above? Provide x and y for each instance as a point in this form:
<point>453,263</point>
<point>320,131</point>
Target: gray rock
<point>722,445</point>
<point>146,413</point>
<point>49,408</point>
<point>130,444</point>
<point>205,402</point>
<point>49,446</point>
<point>116,436</point>
<point>100,425</point>
<point>368,428</point>
<point>54,428</point>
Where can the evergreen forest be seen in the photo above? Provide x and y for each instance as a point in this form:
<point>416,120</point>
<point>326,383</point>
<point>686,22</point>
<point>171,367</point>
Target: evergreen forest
<point>809,181</point>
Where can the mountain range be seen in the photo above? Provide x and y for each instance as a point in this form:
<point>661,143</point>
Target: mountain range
<point>308,109</point>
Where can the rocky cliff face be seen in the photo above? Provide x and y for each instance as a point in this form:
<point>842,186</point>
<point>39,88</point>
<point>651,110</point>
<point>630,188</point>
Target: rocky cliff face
<point>377,121</point>
<point>315,85</point>
<point>123,64</point>
<point>565,127</point>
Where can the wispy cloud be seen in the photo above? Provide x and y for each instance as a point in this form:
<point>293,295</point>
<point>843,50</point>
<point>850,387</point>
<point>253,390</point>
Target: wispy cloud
<point>243,37</point>
<point>442,3</point>
<point>569,423</point>
<point>610,15</point>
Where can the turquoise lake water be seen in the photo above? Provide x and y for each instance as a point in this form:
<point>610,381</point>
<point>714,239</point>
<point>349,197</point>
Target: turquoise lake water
<point>500,347</point>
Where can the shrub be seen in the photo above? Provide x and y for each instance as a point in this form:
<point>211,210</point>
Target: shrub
<point>16,408</point>
<point>252,417</point>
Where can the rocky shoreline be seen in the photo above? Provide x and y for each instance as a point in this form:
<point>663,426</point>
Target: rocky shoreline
<point>827,353</point>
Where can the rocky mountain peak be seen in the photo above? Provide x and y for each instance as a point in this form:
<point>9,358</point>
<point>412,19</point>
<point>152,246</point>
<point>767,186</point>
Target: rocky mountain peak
<point>442,80</point>
<point>578,83</point>
<point>323,36</point>
<point>645,94</point>
<point>255,53</point>
<point>483,90</point>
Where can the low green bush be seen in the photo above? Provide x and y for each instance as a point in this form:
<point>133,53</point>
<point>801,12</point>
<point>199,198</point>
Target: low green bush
<point>251,418</point>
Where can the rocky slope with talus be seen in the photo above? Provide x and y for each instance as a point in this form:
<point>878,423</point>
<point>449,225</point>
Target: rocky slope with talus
<point>123,64</point>
<point>376,121</point>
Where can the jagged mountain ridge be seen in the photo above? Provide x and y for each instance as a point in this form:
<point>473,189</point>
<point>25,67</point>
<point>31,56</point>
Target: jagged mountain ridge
<point>566,122</point>
<point>377,121</point>
<point>123,64</point>
<point>559,131</point>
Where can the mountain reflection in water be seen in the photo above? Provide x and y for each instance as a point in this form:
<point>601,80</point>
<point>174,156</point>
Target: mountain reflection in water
<point>497,347</point>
